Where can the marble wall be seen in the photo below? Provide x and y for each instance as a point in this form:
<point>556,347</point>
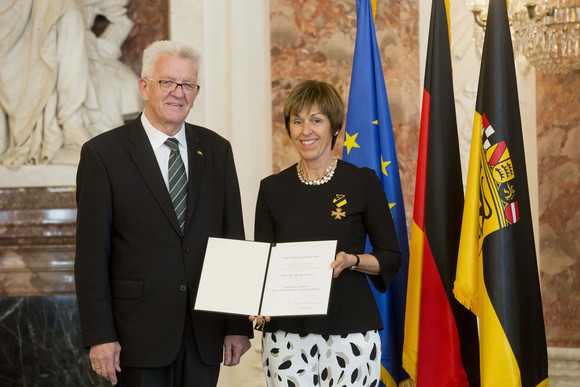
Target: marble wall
<point>315,40</point>
<point>558,117</point>
<point>37,237</point>
<point>151,18</point>
<point>40,343</point>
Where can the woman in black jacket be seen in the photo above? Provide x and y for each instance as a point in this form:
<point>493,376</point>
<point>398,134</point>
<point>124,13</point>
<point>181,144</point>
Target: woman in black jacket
<point>323,198</point>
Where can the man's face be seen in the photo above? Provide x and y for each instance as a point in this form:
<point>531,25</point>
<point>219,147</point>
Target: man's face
<point>167,110</point>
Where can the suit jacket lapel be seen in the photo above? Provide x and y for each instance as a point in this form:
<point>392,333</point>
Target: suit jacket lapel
<point>196,160</point>
<point>140,149</point>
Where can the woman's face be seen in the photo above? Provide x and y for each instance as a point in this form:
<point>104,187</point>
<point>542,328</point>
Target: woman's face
<point>310,135</point>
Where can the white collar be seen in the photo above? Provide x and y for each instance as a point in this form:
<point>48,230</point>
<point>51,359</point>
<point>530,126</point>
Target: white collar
<point>157,137</point>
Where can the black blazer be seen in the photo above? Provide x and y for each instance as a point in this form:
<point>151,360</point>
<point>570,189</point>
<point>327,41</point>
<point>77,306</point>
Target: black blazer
<point>134,270</point>
<point>290,211</point>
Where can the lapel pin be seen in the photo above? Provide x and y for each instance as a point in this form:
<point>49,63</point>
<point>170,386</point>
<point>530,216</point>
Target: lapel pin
<point>339,200</point>
<point>338,214</point>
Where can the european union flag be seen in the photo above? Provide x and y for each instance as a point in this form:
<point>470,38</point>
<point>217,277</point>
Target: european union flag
<point>370,143</point>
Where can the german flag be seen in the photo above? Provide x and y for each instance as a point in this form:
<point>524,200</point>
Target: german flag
<point>497,274</point>
<point>441,343</point>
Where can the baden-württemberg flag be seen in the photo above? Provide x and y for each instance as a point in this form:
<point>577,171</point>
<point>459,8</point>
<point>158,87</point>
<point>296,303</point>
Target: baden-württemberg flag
<point>497,274</point>
<point>370,143</point>
<point>441,341</point>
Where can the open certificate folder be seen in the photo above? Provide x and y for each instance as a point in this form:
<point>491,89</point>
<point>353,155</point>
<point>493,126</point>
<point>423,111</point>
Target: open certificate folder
<point>256,278</point>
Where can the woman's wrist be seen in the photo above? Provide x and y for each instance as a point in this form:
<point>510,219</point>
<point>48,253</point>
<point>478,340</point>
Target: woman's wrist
<point>357,262</point>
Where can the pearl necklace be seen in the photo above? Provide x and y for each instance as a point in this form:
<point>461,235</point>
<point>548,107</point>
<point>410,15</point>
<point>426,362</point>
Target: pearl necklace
<point>324,179</point>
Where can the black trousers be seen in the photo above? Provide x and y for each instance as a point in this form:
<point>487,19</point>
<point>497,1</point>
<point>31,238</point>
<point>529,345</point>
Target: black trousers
<point>187,370</point>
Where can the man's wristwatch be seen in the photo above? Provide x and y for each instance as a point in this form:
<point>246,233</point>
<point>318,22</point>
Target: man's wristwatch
<point>353,267</point>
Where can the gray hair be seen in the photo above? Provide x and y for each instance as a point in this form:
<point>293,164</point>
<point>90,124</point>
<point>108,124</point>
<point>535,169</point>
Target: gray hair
<point>163,47</point>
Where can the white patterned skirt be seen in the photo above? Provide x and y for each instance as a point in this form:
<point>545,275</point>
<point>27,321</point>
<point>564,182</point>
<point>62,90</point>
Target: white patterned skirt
<point>295,360</point>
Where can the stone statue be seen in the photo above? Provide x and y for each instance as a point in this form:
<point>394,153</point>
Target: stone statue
<point>60,84</point>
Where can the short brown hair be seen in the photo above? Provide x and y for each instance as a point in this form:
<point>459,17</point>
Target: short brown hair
<point>319,93</point>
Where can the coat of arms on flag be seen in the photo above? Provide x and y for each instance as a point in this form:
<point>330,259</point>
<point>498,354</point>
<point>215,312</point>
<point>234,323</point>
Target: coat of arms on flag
<point>499,207</point>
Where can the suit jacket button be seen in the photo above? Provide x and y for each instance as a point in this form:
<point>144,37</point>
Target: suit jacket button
<point>183,288</point>
<point>186,250</point>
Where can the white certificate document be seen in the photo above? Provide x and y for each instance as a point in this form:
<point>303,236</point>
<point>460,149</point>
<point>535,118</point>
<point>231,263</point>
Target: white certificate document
<point>298,279</point>
<point>251,278</point>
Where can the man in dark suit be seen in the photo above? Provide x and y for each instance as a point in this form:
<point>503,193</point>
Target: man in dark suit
<point>149,194</point>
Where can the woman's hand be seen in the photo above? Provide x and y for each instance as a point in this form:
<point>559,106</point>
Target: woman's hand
<point>342,262</point>
<point>259,319</point>
<point>367,263</point>
<point>260,322</point>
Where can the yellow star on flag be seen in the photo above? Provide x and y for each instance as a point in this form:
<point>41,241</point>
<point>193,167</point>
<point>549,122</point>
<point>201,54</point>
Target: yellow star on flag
<point>350,142</point>
<point>384,166</point>
<point>391,205</point>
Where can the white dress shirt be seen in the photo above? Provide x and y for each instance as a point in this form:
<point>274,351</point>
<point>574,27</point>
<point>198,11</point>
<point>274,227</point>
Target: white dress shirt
<point>162,151</point>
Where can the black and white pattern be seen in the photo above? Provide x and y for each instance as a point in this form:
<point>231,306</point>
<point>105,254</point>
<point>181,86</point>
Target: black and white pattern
<point>314,360</point>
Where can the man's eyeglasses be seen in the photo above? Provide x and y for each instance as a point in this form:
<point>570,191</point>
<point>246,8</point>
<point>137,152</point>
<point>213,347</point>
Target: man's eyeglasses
<point>170,86</point>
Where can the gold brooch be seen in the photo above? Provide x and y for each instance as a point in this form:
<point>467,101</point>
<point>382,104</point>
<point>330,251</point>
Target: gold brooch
<point>338,214</point>
<point>339,201</point>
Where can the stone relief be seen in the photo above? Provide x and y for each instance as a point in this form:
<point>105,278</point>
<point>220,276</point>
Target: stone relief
<point>61,84</point>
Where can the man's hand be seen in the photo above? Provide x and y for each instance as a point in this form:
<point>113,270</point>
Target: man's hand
<point>105,360</point>
<point>235,346</point>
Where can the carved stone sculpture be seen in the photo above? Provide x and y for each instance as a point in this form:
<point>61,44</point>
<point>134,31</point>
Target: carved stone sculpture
<point>60,84</point>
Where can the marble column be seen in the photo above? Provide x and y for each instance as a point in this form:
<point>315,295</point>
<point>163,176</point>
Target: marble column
<point>40,343</point>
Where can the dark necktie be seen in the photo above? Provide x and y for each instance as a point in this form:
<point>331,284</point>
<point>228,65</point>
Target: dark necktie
<point>177,181</point>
